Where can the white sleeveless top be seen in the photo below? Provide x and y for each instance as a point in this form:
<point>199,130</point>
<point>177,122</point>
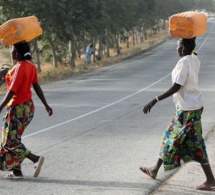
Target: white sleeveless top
<point>186,74</point>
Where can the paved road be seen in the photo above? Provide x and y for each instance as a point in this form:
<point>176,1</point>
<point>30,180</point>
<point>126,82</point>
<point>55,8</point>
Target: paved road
<point>98,135</point>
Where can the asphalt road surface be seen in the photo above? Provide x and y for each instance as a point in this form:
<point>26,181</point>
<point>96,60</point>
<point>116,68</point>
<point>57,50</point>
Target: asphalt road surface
<point>98,135</point>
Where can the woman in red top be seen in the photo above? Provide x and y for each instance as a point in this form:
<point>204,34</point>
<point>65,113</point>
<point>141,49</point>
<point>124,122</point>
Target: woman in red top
<point>19,112</point>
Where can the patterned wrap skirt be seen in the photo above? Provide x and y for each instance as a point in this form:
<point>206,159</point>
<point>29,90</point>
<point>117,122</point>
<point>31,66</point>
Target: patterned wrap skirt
<point>16,119</point>
<point>183,140</point>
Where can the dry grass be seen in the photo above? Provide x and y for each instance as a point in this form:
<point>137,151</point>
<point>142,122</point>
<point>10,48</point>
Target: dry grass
<point>50,74</point>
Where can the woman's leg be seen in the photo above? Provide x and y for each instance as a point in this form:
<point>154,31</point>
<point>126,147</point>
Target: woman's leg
<point>17,171</point>
<point>34,158</point>
<point>210,181</point>
<point>152,171</point>
<point>38,160</point>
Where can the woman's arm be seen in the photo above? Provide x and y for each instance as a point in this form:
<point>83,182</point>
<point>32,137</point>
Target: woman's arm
<point>175,87</point>
<point>40,94</point>
<point>6,99</point>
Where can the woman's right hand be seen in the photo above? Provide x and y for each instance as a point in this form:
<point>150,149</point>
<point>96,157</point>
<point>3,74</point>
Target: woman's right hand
<point>147,107</point>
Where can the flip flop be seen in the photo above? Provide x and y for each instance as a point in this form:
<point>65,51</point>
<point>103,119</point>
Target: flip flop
<point>38,166</point>
<point>204,187</point>
<point>147,172</point>
<point>11,175</point>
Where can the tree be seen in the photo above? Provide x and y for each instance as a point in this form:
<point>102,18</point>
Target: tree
<point>69,25</point>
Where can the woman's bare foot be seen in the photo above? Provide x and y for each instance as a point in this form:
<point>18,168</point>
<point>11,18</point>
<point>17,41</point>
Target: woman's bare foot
<point>149,171</point>
<point>208,185</point>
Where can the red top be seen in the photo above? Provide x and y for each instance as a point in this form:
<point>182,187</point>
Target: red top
<point>19,80</point>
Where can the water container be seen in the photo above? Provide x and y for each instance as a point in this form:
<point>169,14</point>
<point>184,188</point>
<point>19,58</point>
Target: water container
<point>187,24</point>
<point>20,29</point>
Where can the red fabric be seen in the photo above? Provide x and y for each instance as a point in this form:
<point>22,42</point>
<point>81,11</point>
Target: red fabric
<point>19,80</point>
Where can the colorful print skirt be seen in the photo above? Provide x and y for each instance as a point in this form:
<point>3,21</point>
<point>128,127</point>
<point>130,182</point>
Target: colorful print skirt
<point>183,140</point>
<point>12,150</point>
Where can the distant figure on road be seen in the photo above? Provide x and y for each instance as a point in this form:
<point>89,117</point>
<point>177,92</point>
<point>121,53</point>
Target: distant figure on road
<point>19,112</point>
<point>183,138</point>
<point>88,54</point>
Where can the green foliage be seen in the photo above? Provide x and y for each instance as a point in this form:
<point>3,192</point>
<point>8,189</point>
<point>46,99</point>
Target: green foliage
<point>66,20</point>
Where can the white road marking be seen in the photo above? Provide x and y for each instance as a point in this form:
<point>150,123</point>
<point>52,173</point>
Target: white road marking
<point>111,104</point>
<point>97,110</point>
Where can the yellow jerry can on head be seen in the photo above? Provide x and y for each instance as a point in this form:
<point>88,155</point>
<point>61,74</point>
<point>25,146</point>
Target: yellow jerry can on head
<point>187,24</point>
<point>20,29</point>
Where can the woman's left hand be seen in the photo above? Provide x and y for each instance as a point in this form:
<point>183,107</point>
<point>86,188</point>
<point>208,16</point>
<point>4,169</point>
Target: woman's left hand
<point>147,107</point>
<point>49,110</point>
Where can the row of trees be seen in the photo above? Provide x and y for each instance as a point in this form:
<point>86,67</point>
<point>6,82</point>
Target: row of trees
<point>69,25</point>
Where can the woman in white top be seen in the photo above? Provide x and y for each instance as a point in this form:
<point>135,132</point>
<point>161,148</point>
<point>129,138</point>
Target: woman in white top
<point>183,137</point>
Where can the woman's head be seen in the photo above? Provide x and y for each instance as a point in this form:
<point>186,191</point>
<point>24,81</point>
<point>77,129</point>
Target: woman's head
<point>21,51</point>
<point>186,46</point>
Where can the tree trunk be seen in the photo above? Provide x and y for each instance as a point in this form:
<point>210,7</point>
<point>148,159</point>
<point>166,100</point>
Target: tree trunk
<point>11,57</point>
<point>117,43</point>
<point>93,41</point>
<point>72,52</point>
<point>107,44</point>
<point>54,56</point>
<point>136,37</point>
<point>141,36</point>
<point>133,38</point>
<point>127,39</point>
<point>79,48</point>
<point>37,56</point>
<point>100,50</point>
<point>84,42</point>
<point>145,34</point>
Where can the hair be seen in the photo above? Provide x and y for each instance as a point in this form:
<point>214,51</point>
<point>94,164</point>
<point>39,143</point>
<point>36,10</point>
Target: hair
<point>189,44</point>
<point>23,49</point>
